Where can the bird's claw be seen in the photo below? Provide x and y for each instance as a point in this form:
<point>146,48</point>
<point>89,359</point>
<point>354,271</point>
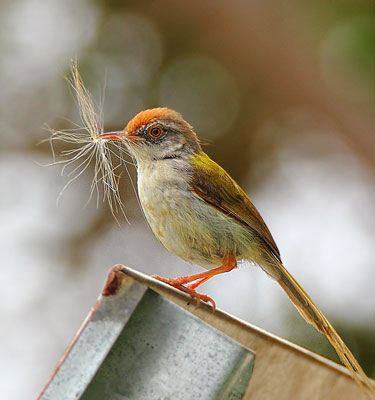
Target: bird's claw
<point>176,283</point>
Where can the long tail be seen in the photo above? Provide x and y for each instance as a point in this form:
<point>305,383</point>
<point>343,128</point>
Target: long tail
<point>312,314</point>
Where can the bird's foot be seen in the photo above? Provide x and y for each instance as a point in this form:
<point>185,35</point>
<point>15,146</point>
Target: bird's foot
<point>198,296</point>
<point>189,288</point>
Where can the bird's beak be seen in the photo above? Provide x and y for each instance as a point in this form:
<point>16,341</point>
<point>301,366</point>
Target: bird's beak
<point>123,136</point>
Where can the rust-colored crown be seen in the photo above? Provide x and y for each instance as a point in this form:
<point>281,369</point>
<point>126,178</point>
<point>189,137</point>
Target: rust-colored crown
<point>152,115</point>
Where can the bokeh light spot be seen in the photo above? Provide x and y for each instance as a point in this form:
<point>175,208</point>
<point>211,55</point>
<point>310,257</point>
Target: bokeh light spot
<point>203,91</point>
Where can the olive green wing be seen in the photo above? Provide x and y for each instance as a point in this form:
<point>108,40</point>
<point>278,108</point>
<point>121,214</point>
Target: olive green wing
<point>213,184</point>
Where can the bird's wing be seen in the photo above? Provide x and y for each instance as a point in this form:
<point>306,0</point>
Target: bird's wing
<point>214,185</point>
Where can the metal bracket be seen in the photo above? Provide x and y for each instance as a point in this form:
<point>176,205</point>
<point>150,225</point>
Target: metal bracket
<point>136,344</point>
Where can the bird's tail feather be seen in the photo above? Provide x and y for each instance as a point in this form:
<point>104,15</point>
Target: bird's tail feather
<point>312,314</point>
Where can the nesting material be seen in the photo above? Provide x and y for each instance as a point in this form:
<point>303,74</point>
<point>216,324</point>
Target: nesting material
<point>88,148</point>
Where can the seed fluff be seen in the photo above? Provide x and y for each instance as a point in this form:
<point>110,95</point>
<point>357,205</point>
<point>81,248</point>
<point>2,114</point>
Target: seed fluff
<point>90,148</point>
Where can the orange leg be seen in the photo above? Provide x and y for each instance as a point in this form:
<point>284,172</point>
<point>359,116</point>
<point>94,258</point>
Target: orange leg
<point>198,282</point>
<point>188,284</point>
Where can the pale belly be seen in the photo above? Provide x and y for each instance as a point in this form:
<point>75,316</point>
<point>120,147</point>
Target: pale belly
<point>189,227</point>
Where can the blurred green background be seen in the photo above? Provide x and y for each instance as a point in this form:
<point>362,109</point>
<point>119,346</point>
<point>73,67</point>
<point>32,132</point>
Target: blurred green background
<point>284,94</point>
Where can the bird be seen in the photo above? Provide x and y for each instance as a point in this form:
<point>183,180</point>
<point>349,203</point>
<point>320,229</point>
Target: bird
<point>198,212</point>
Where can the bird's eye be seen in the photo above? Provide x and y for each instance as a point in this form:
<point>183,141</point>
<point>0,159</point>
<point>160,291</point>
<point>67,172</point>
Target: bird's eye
<point>155,132</point>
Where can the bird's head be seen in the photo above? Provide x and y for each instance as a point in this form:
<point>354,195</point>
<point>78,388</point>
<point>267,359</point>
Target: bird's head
<point>158,133</point>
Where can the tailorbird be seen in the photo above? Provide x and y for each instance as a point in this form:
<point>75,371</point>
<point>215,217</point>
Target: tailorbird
<point>198,212</point>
